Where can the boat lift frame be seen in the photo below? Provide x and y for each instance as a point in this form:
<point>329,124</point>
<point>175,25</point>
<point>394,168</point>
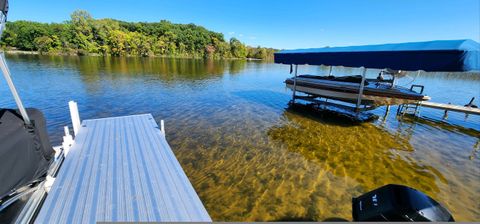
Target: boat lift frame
<point>356,113</point>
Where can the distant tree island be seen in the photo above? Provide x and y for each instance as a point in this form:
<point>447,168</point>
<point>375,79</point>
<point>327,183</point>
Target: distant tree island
<point>84,35</point>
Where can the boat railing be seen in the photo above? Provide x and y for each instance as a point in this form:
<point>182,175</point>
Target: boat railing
<point>416,86</point>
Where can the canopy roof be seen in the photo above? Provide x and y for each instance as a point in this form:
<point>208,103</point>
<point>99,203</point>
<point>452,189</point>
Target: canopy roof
<point>442,55</point>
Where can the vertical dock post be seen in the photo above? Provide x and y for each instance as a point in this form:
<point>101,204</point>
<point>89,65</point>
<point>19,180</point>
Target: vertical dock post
<point>387,110</point>
<point>162,127</point>
<point>445,114</point>
<point>360,91</point>
<point>75,116</point>
<point>67,141</point>
<point>294,84</point>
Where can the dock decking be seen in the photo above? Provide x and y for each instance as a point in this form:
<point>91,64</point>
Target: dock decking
<point>451,107</point>
<point>121,169</point>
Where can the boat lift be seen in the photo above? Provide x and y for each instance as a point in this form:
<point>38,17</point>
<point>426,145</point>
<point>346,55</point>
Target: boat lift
<point>430,56</point>
<point>356,113</point>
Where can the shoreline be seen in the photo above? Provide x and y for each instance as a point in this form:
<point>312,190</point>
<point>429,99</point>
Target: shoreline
<point>128,56</point>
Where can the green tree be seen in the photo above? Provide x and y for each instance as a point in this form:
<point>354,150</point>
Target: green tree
<point>116,42</point>
<point>237,49</point>
<point>138,44</point>
<point>182,49</point>
<point>261,53</point>
<point>44,44</point>
<point>9,38</point>
<point>101,30</point>
<point>83,34</point>
<point>82,24</point>
<point>24,34</point>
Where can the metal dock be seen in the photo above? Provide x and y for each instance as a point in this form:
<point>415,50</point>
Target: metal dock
<point>121,169</point>
<point>451,107</point>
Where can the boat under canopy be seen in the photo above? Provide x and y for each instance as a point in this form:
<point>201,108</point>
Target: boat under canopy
<point>430,56</point>
<point>346,88</point>
<point>394,59</point>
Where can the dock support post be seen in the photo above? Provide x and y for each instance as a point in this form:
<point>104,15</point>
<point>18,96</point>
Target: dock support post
<point>162,127</point>
<point>445,114</point>
<point>360,91</point>
<point>67,141</point>
<point>330,72</point>
<point>75,116</point>
<point>8,78</point>
<point>387,110</point>
<point>294,84</point>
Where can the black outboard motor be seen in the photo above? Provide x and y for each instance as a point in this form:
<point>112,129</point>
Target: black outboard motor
<point>398,203</point>
<point>25,150</point>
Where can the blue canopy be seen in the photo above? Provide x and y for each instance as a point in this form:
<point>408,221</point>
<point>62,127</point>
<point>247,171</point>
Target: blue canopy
<point>442,55</point>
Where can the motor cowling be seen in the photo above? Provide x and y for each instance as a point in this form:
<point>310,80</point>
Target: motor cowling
<point>398,203</point>
<point>25,150</point>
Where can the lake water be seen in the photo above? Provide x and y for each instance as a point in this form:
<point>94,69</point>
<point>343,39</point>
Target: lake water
<point>247,155</point>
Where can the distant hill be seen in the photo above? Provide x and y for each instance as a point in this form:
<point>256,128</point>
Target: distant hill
<point>84,35</point>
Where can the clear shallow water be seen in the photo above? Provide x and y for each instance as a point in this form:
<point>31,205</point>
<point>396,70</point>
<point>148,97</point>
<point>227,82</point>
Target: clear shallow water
<point>248,156</point>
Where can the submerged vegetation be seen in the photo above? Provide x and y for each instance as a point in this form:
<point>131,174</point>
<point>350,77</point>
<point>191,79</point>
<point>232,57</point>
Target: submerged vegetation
<point>84,35</point>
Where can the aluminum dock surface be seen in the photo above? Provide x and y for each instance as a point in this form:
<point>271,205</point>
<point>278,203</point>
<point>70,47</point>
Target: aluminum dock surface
<point>121,169</point>
<point>451,107</point>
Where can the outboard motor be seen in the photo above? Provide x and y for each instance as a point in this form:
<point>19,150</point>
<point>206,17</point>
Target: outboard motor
<point>25,150</point>
<point>398,203</point>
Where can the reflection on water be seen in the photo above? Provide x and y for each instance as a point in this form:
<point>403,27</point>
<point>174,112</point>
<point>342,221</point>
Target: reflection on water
<point>250,157</point>
<point>440,124</point>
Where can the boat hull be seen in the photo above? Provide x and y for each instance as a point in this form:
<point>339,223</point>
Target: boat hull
<point>348,92</point>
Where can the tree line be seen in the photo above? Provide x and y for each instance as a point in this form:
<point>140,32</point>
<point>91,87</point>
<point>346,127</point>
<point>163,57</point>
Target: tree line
<point>84,35</point>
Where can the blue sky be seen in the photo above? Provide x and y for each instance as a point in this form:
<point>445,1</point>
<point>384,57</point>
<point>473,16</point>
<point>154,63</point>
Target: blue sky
<point>285,24</point>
